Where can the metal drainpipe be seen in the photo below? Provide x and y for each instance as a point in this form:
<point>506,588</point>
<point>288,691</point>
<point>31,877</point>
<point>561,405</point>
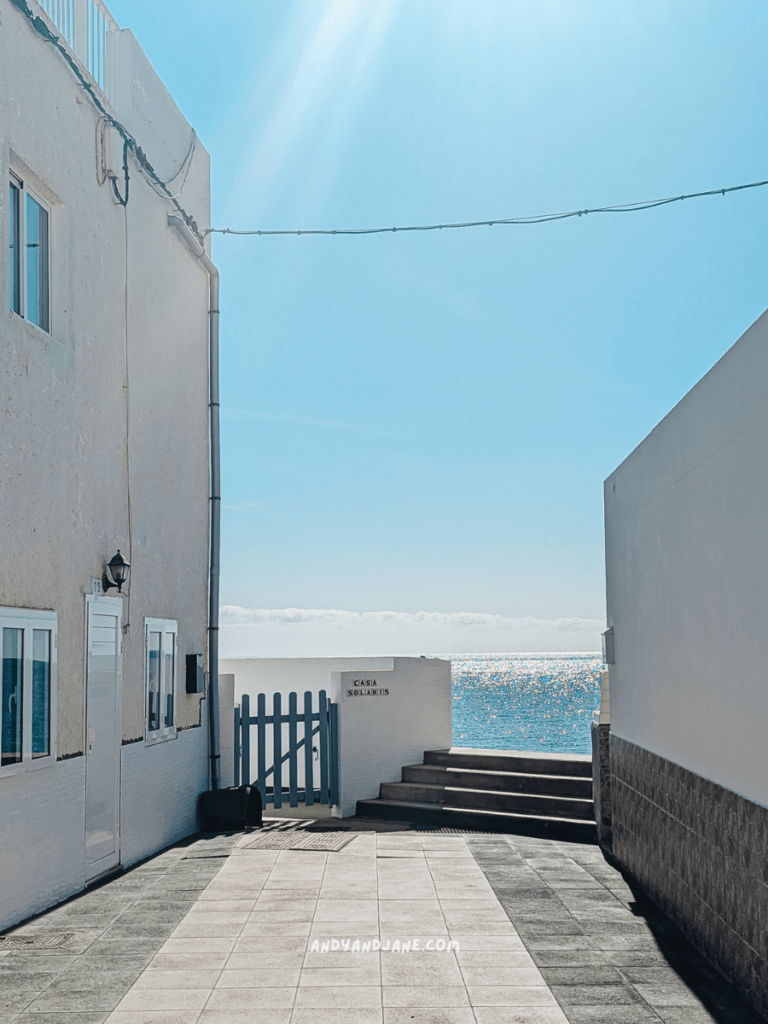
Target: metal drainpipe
<point>213,584</point>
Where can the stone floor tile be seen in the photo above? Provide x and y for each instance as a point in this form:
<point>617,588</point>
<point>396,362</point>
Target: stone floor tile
<point>16,963</point>
<point>594,995</point>
<point>202,944</point>
<point>74,1017</point>
<point>271,943</point>
<point>256,1015</point>
<point>266,959</point>
<point>285,977</point>
<point>510,995</point>
<point>196,929</point>
<point>599,975</point>
<point>328,930</point>
<point>338,1015</point>
<point>251,998</point>
<point>363,912</point>
<point>360,976</point>
<point>495,941</point>
<point>153,1017</point>
<point>272,897</point>
<point>328,997</point>
<point>14,1002</point>
<point>224,906</point>
<point>420,969</point>
<point>283,928</point>
<point>637,1013</point>
<point>519,1015</point>
<point>187,962</point>
<point>494,958</point>
<point>178,979</point>
<point>429,1015</point>
<point>668,995</point>
<point>424,995</point>
<point>502,976</point>
<point>164,999</point>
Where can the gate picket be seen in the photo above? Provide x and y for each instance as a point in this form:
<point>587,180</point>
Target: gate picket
<point>323,710</point>
<point>293,787</point>
<point>261,737</point>
<point>309,768</point>
<point>245,747</point>
<point>277,751</point>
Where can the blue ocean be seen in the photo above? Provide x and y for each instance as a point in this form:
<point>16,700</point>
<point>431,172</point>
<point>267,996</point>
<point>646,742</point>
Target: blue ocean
<point>525,701</point>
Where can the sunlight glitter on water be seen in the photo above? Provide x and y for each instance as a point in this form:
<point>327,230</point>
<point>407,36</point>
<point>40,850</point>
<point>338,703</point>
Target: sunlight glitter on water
<point>525,701</point>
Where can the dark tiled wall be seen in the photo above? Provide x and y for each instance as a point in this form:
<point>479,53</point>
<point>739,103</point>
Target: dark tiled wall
<point>701,852</point>
<point>601,781</point>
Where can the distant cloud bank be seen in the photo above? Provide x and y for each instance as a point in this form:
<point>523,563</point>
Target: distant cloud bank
<point>329,632</point>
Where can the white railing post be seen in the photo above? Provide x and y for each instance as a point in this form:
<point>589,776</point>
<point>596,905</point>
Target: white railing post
<point>80,30</point>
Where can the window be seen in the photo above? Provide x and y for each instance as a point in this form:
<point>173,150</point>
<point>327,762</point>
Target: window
<point>160,643</point>
<point>28,689</point>
<point>28,255</point>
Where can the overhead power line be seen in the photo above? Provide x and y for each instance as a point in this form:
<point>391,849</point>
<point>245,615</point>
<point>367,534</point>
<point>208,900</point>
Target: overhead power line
<point>542,218</point>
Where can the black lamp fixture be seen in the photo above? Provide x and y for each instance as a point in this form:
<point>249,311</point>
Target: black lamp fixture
<point>116,573</point>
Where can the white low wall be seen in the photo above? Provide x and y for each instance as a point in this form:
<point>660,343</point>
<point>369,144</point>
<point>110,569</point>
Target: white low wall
<point>387,720</point>
<point>42,819</point>
<point>42,839</point>
<point>161,783</point>
<point>687,565</point>
<point>378,733</point>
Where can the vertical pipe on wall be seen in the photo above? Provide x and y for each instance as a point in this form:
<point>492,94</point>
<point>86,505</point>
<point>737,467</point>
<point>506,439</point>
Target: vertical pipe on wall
<point>215,497</point>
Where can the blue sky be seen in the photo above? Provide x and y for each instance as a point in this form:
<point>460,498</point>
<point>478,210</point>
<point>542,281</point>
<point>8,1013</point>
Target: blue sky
<point>422,423</point>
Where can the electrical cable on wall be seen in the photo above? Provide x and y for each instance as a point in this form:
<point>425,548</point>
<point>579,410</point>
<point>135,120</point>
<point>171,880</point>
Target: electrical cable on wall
<point>542,218</point>
<point>145,167</point>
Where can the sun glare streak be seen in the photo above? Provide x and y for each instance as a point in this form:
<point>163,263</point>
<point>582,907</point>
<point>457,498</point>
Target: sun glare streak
<point>318,102</point>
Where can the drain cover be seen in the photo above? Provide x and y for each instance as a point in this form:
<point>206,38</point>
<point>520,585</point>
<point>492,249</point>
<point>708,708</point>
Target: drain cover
<point>326,842</point>
<point>33,941</point>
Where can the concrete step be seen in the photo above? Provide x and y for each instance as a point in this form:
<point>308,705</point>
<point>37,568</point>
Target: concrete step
<point>515,761</point>
<point>507,782</point>
<point>491,800</point>
<point>434,815</point>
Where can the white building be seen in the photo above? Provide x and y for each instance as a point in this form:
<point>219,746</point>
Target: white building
<point>104,445</point>
<point>687,588</point>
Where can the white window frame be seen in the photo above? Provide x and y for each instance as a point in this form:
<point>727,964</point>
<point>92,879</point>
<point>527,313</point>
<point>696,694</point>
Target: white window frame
<point>30,619</point>
<point>169,630</point>
<point>26,189</point>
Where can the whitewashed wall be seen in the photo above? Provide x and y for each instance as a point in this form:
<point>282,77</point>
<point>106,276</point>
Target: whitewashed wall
<point>687,578</point>
<point>161,783</point>
<point>128,344</point>
<point>378,735</point>
<point>42,846</point>
<point>379,732</point>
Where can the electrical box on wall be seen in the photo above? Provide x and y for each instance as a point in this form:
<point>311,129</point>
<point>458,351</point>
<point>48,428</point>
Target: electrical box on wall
<point>195,674</point>
<point>609,656</point>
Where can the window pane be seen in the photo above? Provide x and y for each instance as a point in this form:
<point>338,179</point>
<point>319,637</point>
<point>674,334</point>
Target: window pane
<point>168,665</point>
<point>41,693</point>
<point>36,246</point>
<point>13,658</point>
<point>14,266</point>
<point>153,681</point>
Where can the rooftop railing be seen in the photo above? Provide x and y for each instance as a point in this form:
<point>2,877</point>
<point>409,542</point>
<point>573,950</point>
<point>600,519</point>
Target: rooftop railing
<point>89,29</point>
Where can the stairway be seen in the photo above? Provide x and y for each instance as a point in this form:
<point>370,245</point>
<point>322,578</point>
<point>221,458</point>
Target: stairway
<point>533,794</point>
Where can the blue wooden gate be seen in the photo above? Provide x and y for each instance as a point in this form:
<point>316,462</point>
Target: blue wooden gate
<point>319,758</point>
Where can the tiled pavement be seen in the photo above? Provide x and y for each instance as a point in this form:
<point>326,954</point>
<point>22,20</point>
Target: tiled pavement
<point>211,932</point>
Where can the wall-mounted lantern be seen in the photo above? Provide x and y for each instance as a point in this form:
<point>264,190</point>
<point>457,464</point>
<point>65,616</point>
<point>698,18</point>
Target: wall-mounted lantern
<point>116,573</point>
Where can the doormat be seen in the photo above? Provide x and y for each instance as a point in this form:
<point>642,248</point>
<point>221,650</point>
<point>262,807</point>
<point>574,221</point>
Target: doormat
<point>300,840</point>
<point>33,941</point>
